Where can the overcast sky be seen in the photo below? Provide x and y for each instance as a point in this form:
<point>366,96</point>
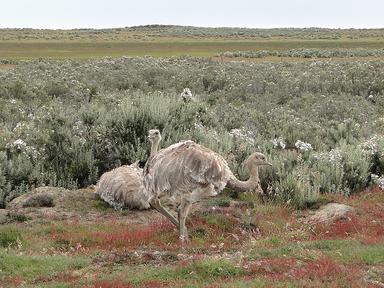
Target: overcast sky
<point>216,13</point>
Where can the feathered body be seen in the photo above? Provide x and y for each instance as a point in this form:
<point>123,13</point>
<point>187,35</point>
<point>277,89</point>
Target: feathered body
<point>123,187</point>
<point>187,172</point>
<point>186,169</point>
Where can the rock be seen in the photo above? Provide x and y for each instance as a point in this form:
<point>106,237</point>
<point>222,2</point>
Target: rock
<point>331,212</point>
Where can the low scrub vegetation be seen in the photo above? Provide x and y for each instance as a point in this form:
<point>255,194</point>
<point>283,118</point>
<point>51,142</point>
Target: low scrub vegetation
<point>307,53</point>
<point>320,123</point>
<point>10,237</point>
<point>151,31</point>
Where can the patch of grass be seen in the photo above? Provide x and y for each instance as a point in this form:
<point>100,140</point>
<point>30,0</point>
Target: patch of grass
<point>160,48</point>
<point>6,66</point>
<point>141,273</point>
<point>210,269</point>
<point>244,283</point>
<point>346,251</point>
<point>102,206</point>
<point>204,271</point>
<point>111,284</point>
<point>273,240</point>
<point>221,201</point>
<point>300,250</point>
<point>357,252</point>
<point>251,199</point>
<point>327,245</point>
<point>30,267</point>
<point>18,217</point>
<point>373,255</point>
<point>52,285</point>
<point>9,237</point>
<point>110,235</point>
<point>219,221</point>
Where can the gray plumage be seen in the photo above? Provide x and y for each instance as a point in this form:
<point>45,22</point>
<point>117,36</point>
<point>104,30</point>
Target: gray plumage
<point>123,187</point>
<point>188,172</point>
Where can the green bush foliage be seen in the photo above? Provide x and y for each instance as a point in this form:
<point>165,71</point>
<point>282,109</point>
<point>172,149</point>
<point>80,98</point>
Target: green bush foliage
<point>307,53</point>
<point>64,123</point>
<point>10,237</point>
<point>149,31</point>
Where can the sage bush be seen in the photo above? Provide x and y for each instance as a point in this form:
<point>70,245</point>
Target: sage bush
<point>64,123</point>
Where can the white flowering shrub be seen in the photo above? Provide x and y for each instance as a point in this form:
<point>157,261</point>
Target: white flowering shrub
<point>187,95</point>
<point>279,143</point>
<point>242,135</point>
<point>307,53</point>
<point>331,171</point>
<point>64,123</point>
<point>292,181</point>
<point>378,180</point>
<point>373,148</point>
<point>343,170</point>
<point>370,147</point>
<point>303,146</point>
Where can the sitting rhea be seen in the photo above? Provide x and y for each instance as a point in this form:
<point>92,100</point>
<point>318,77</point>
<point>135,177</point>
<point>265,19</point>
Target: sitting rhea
<point>189,172</point>
<point>123,187</point>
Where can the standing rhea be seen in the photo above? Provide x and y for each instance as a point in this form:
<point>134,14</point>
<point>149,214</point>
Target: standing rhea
<point>188,171</point>
<point>123,187</point>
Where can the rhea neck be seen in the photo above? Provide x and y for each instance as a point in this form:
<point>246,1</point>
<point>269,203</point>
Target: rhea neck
<point>154,146</point>
<point>248,185</point>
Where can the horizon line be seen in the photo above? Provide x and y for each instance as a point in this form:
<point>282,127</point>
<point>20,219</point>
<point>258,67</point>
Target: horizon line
<point>209,27</point>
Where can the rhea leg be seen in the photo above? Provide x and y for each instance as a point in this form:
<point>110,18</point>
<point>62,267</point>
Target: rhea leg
<point>184,208</point>
<point>155,203</point>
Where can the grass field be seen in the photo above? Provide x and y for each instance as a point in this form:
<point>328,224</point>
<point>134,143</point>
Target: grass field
<point>174,41</point>
<point>162,47</point>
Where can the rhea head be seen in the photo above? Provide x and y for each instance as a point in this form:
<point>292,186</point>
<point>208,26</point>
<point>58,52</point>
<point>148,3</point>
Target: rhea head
<point>256,159</point>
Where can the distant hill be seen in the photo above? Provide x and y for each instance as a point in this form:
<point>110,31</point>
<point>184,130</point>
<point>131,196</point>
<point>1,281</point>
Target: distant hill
<point>158,30</point>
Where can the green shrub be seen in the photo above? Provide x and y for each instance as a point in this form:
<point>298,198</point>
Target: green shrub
<point>299,187</point>
<point>374,149</point>
<point>356,168</point>
<point>9,237</point>
<point>241,108</point>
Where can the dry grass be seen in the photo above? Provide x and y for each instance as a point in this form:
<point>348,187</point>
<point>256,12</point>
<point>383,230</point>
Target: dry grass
<point>6,66</point>
<point>64,49</point>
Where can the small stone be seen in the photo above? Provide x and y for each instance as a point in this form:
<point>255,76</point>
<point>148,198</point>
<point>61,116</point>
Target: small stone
<point>331,212</point>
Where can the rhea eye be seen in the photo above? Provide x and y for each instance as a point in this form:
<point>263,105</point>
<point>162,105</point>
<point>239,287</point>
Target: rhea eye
<point>156,133</point>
